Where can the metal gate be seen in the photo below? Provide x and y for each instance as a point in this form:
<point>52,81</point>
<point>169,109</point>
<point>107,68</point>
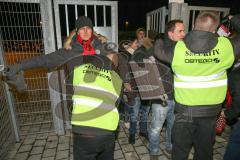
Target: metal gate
<point>189,13</point>
<point>26,28</point>
<point>179,11</point>
<point>104,15</point>
<point>156,20</point>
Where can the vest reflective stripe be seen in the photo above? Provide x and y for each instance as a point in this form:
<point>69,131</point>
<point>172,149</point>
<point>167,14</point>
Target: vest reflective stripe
<point>200,78</point>
<point>95,104</point>
<point>200,84</point>
<point>80,89</point>
<point>96,91</point>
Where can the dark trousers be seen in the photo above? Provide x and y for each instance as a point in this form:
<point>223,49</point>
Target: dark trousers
<point>196,132</point>
<point>233,147</point>
<point>93,148</point>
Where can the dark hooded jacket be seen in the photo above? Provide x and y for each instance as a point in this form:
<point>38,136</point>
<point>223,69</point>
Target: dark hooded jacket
<point>197,42</point>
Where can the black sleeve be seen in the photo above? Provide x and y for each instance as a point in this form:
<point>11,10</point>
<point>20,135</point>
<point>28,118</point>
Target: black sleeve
<point>123,68</point>
<point>235,22</point>
<point>233,87</point>
<point>163,53</point>
<point>50,61</point>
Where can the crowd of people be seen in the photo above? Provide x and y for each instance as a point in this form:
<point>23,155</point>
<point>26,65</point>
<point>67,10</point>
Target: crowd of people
<point>100,80</point>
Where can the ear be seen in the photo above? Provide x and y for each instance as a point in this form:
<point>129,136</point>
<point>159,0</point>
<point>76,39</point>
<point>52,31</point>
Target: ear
<point>170,34</point>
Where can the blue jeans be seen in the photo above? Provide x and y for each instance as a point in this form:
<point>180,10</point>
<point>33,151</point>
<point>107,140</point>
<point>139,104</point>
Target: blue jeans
<point>133,111</point>
<point>159,115</point>
<point>232,151</point>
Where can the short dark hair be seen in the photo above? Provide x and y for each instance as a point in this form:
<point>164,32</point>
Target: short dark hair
<point>170,26</point>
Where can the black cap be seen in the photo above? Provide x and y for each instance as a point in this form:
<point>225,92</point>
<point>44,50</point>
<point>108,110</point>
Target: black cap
<point>83,21</point>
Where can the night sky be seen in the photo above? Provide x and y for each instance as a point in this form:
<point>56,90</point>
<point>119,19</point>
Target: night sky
<point>134,11</point>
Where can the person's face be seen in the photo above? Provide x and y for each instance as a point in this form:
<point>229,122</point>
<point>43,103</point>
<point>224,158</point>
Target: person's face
<point>140,35</point>
<point>178,33</point>
<point>134,45</point>
<point>85,33</point>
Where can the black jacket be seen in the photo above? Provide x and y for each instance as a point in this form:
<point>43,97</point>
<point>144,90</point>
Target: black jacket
<point>234,87</point>
<point>197,42</point>
<point>126,73</point>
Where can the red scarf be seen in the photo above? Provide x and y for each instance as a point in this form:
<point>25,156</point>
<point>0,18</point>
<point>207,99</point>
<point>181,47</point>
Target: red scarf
<point>87,47</point>
<point>228,99</point>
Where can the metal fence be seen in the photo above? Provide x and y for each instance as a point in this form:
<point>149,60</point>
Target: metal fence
<point>193,11</point>
<point>22,38</point>
<point>156,20</point>
<point>189,13</point>
<point>6,130</point>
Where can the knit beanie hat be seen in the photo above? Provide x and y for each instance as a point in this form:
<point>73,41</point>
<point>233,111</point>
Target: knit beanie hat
<point>83,21</point>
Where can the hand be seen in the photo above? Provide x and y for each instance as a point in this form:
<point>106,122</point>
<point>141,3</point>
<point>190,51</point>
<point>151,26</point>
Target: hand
<point>127,87</point>
<point>230,17</point>
<point>13,70</point>
<point>222,114</point>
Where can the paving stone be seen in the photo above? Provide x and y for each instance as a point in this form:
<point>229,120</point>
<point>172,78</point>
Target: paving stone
<point>63,139</point>
<point>49,153</point>
<point>63,146</point>
<point>25,148</point>
<point>163,157</point>
<point>42,136</point>
<point>35,157</point>
<point>138,142</point>
<point>52,144</point>
<point>127,148</point>
<point>190,156</point>
<point>31,136</point>
<point>217,145</point>
<point>15,147</point>
<point>62,154</point>
<point>121,135</point>
<point>144,157</point>
<point>29,141</point>
<point>221,150</point>
<point>21,156</point>
<point>217,157</point>
<point>52,138</point>
<point>40,143</point>
<point>118,154</point>
<point>11,154</point>
<point>117,146</point>
<point>131,156</point>
<point>71,156</point>
<point>220,139</point>
<point>122,141</point>
<point>48,158</point>
<point>37,150</point>
<point>141,149</point>
<point>34,129</point>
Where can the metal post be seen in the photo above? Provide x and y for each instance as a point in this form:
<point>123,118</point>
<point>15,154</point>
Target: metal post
<point>49,42</point>
<point>9,98</point>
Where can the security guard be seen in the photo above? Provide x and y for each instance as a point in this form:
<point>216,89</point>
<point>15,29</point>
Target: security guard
<point>199,64</point>
<point>96,88</point>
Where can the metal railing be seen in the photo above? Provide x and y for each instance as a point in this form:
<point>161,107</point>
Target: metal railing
<point>156,20</point>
